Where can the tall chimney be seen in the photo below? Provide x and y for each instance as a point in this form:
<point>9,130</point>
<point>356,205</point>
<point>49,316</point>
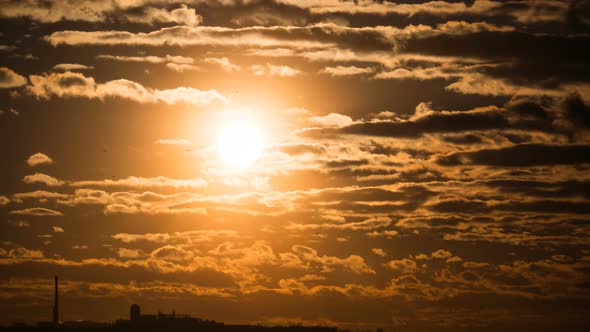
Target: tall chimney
<point>56,304</point>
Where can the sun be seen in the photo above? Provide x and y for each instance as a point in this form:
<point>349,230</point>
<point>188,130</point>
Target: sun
<point>240,144</point>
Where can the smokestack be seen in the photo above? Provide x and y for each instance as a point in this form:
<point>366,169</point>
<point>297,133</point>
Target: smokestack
<point>56,304</point>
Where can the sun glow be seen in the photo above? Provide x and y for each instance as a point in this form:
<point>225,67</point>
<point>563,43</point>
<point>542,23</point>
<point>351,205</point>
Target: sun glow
<point>240,144</point>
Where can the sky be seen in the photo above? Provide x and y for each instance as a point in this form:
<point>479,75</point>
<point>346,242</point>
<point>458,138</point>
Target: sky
<point>405,165</point>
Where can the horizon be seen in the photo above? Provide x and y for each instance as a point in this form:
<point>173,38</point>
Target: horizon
<point>413,166</point>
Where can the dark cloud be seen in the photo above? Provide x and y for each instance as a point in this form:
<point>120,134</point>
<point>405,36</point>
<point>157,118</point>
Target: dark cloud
<point>524,155</point>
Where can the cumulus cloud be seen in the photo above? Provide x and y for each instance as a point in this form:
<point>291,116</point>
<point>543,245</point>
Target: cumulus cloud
<point>69,84</point>
<point>403,266</point>
<point>129,253</point>
<point>39,159</point>
<point>379,252</point>
<point>24,253</point>
<point>44,179</point>
<point>173,254</point>
<point>222,62</point>
<point>10,79</point>
<point>181,15</point>
<point>274,70</point>
<point>332,120</point>
<point>302,254</point>
<point>442,254</point>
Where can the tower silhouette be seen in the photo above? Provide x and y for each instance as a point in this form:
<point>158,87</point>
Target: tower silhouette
<point>56,303</point>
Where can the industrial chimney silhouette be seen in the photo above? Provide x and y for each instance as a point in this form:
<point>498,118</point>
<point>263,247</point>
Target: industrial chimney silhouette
<point>56,304</point>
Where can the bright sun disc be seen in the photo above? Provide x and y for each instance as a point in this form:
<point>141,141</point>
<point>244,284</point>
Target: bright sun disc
<point>239,145</point>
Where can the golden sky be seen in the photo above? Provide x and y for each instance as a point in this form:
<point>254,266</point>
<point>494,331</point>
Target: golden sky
<point>409,165</point>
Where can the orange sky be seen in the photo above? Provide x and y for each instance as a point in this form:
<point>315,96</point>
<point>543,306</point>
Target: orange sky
<point>408,165</point>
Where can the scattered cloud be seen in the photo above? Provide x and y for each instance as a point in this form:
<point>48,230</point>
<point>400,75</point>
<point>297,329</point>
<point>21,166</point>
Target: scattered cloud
<point>274,70</point>
<point>139,182</point>
<point>222,62</point>
<point>10,79</point>
<point>44,179</point>
<point>379,252</point>
<point>39,159</point>
<point>69,84</point>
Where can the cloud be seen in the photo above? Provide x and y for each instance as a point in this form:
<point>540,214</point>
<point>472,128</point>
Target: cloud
<point>302,254</point>
<point>20,223</point>
<point>153,210</point>
<point>140,182</point>
<point>274,70</point>
<point>442,254</point>
<point>173,254</point>
<point>223,62</point>
<point>379,252</point>
<point>173,62</point>
<point>347,71</point>
<point>295,149</point>
<point>38,195</point>
<point>10,79</point>
<point>181,15</point>
<point>71,67</point>
<point>39,212</point>
<point>11,111</point>
<point>57,229</point>
<point>24,253</point>
<point>39,159</point>
<point>403,266</point>
<point>332,120</point>
<point>173,142</point>
<point>526,114</point>
<point>520,156</point>
<point>368,224</point>
<point>43,178</point>
<point>188,237</point>
<point>435,8</point>
<point>189,36</point>
<point>4,200</point>
<point>100,11</point>
<point>481,119</point>
<point>177,59</point>
<point>130,253</point>
<point>138,203</point>
<point>180,68</point>
<point>69,84</point>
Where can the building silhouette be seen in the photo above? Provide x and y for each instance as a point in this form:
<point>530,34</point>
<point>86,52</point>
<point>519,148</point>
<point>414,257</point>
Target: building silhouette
<point>153,322</point>
<point>134,313</point>
<point>56,303</point>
